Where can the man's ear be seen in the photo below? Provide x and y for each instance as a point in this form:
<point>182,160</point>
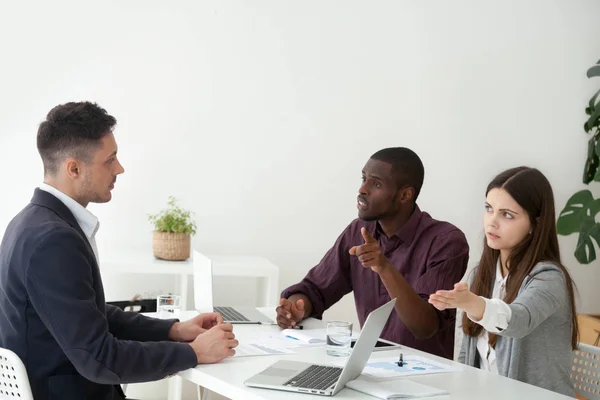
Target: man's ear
<point>73,168</point>
<point>407,194</point>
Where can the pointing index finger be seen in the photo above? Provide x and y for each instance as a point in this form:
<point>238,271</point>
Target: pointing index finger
<point>367,236</point>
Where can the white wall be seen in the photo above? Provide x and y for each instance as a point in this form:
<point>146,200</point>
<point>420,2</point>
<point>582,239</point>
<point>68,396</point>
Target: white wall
<point>260,115</point>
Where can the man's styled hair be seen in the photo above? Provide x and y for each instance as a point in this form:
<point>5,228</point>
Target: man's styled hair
<point>72,130</point>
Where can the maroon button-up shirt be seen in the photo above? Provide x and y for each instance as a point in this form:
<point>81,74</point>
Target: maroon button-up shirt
<point>430,254</point>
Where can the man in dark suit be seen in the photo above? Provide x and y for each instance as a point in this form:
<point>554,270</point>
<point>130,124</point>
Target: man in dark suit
<point>53,313</point>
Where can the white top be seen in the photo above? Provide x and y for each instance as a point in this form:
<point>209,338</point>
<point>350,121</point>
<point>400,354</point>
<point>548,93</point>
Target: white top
<point>87,221</point>
<point>496,317</point>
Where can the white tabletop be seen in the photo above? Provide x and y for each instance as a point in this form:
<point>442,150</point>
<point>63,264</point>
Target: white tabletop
<point>227,377</point>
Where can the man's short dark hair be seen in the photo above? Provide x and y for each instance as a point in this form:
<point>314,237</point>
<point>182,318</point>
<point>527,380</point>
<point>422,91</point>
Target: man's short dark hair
<point>72,130</point>
<point>407,167</point>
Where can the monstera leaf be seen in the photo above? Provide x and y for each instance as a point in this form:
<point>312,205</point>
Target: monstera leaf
<point>585,252</point>
<point>594,71</point>
<point>578,216</point>
<point>591,169</point>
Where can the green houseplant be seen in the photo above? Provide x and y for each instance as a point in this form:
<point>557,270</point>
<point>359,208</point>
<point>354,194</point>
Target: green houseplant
<point>579,214</point>
<point>173,228</point>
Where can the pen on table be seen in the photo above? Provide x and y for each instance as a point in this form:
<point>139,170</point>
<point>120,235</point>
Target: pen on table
<point>298,327</point>
<point>400,361</point>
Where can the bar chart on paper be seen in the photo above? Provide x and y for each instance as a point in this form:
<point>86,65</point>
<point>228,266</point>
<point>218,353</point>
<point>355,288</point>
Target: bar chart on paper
<point>386,368</point>
<point>267,344</point>
<point>260,349</point>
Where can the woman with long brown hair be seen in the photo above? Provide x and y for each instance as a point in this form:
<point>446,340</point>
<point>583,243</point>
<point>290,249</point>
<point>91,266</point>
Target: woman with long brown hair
<point>519,315</point>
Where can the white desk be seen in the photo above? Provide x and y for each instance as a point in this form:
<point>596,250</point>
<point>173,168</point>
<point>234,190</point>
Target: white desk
<point>245,266</point>
<point>227,377</point>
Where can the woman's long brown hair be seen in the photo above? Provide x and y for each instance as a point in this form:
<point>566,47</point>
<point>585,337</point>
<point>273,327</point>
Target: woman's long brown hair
<point>530,188</point>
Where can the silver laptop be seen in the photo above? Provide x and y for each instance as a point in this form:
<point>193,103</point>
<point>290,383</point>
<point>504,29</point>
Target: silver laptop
<point>203,296</point>
<point>325,380</point>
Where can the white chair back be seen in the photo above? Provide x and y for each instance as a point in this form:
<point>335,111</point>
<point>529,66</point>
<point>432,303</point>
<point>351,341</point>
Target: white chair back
<point>14,383</point>
<point>585,372</point>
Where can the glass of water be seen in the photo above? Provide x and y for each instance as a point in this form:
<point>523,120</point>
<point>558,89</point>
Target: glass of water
<point>168,306</point>
<point>339,334</point>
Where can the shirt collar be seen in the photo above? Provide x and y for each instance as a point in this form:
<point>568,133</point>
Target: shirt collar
<point>87,221</point>
<point>406,232</point>
<point>499,278</point>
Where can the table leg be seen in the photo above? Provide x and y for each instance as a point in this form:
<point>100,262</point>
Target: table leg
<point>202,393</point>
<point>175,388</point>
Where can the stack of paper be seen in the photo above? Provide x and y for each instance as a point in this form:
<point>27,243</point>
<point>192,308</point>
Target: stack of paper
<point>260,349</point>
<point>396,389</point>
<point>309,336</point>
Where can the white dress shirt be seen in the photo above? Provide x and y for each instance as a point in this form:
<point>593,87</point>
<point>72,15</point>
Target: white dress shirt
<point>496,317</point>
<point>87,221</point>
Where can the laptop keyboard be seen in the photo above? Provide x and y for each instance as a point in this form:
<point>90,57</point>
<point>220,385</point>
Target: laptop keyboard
<point>230,314</point>
<point>315,377</point>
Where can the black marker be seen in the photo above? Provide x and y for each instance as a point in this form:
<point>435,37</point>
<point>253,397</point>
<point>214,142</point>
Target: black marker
<point>298,327</point>
<point>400,361</point>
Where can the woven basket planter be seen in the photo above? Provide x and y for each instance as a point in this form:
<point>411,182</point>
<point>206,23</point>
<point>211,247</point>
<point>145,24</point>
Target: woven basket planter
<point>171,246</point>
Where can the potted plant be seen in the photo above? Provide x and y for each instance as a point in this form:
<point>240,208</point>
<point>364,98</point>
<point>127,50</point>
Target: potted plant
<point>173,228</point>
<point>579,214</point>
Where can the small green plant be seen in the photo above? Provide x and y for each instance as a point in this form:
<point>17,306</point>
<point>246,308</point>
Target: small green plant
<point>173,219</point>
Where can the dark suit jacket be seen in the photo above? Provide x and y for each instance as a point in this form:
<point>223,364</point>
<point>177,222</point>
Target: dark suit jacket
<point>54,317</point>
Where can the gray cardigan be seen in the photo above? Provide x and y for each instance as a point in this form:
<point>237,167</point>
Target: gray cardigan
<point>536,346</point>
